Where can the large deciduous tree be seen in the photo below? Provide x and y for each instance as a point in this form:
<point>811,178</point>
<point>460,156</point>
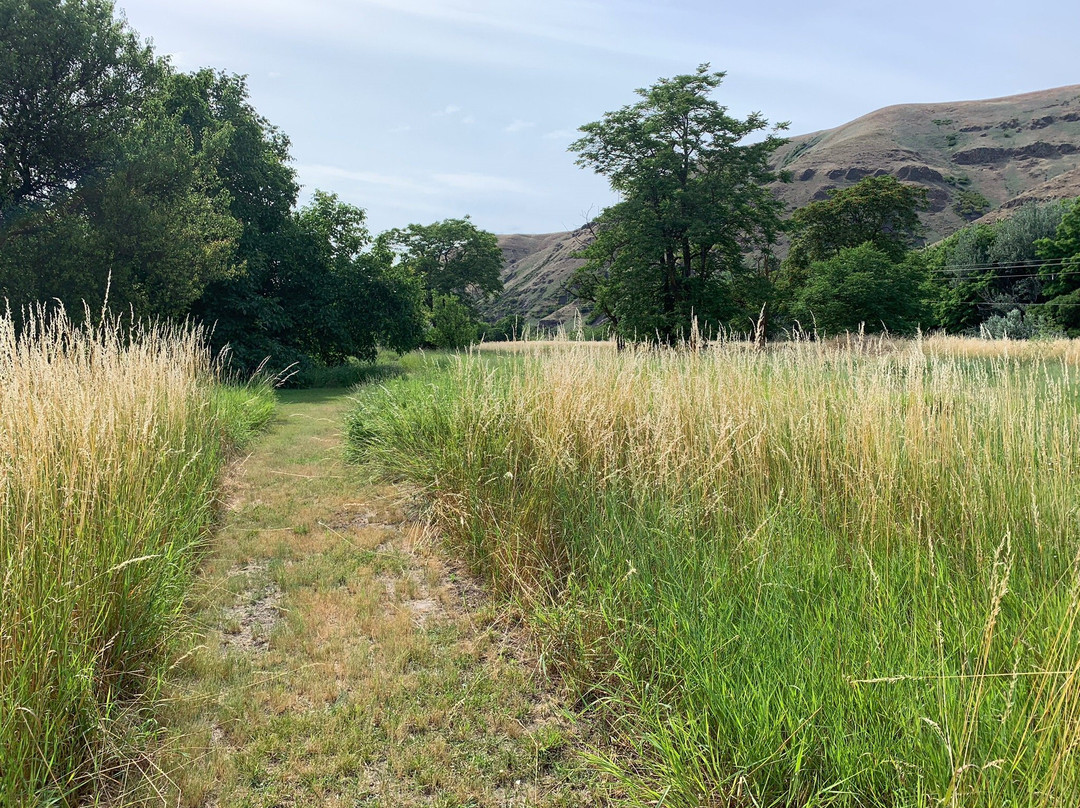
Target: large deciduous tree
<point>253,309</point>
<point>72,79</point>
<point>861,288</point>
<point>101,192</point>
<point>355,298</point>
<point>694,206</point>
<point>452,257</point>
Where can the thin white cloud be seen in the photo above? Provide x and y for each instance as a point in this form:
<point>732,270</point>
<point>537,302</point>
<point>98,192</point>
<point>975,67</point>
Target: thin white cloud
<point>561,134</point>
<point>180,60</point>
<point>448,111</point>
<point>481,184</point>
<point>519,125</point>
<point>397,130</point>
<point>468,120</point>
<point>533,19</point>
<point>464,31</point>
<point>314,173</point>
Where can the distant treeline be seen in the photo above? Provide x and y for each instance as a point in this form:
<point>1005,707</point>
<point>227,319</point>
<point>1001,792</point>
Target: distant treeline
<point>163,194</point>
<point>167,195</point>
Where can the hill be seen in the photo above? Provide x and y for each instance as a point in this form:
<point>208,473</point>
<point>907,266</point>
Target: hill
<point>536,267</point>
<point>973,157</point>
<point>976,158</point>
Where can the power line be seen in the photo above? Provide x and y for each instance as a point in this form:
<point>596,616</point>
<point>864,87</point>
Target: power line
<point>1025,305</point>
<point>1032,275</point>
<point>1016,262</point>
<point>1025,264</point>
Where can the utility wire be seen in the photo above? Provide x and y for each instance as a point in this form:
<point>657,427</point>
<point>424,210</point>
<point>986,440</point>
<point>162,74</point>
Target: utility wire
<point>1027,264</point>
<point>1031,275</point>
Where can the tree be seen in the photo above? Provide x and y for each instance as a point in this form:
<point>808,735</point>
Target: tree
<point>72,80</point>
<point>101,192</point>
<point>505,329</point>
<point>356,300</point>
<point>861,287</point>
<point>162,226</point>
<point>451,257</point>
<point>249,157</point>
<point>1061,272</point>
<point>307,285</point>
<point>880,210</point>
<point>694,203</point>
<point>452,324</point>
<point>989,270</point>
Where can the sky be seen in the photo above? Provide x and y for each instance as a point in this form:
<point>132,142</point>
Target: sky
<point>422,110</point>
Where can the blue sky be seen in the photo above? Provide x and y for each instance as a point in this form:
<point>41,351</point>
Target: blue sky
<point>419,110</point>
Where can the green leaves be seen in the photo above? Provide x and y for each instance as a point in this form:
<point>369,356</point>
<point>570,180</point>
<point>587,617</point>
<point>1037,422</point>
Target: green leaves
<point>72,78</point>
<point>1062,272</point>
<point>988,270</point>
<point>452,326</point>
<point>860,287</point>
<point>167,195</point>
<point>695,202</point>
<point>880,210</point>
<point>451,257</point>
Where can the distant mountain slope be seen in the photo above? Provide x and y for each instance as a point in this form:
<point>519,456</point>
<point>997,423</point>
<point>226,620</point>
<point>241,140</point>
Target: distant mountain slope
<point>536,268</point>
<point>974,157</point>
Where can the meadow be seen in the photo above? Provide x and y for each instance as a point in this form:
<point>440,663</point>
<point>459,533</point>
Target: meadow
<point>112,443</point>
<point>841,573</point>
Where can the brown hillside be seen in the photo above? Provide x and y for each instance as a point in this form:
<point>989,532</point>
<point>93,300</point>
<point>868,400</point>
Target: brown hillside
<point>536,268</point>
<point>975,158</point>
<point>1006,150</point>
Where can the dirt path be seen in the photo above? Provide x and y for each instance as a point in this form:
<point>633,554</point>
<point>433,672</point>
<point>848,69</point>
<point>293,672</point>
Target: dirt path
<point>342,662</point>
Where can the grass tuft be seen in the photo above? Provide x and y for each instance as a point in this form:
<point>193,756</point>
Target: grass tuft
<point>111,444</point>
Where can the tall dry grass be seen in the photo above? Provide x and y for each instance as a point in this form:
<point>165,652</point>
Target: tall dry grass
<point>813,575</point>
<point>111,444</point>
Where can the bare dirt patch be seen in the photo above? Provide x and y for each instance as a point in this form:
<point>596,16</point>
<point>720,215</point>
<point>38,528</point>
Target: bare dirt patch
<point>248,624</point>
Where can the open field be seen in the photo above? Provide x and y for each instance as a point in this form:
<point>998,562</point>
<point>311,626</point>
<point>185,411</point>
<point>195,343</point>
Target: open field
<point>111,445</point>
<point>818,574</point>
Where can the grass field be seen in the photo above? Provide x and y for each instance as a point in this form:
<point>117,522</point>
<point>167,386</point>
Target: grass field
<point>840,574</point>
<point>111,446</point>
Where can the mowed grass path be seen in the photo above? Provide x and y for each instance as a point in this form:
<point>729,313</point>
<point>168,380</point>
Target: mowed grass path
<point>340,661</point>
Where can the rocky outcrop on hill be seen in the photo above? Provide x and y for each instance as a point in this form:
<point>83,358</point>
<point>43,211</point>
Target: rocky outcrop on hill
<point>535,272</point>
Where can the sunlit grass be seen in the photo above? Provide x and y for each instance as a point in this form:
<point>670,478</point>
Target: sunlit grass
<point>816,574</point>
<point>111,444</point>
<point>545,346</point>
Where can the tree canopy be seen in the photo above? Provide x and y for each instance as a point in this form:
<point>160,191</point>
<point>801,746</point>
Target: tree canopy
<point>990,269</point>
<point>72,79</point>
<point>861,288</point>
<point>1061,272</point>
<point>695,204</point>
<point>101,192</point>
<point>452,257</point>
<point>167,195</point>
<point>878,210</point>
